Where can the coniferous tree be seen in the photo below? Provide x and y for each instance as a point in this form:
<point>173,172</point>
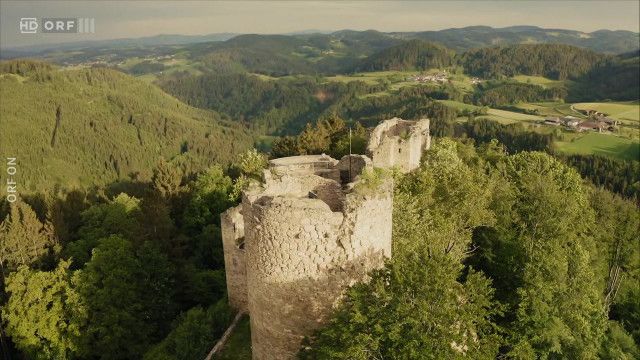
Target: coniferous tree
<point>23,238</point>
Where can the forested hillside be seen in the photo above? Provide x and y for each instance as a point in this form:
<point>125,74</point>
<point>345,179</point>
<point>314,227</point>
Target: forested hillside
<point>282,106</point>
<point>101,274</point>
<point>285,106</point>
<point>471,37</point>
<point>412,55</point>
<point>549,60</point>
<point>615,78</point>
<point>94,126</point>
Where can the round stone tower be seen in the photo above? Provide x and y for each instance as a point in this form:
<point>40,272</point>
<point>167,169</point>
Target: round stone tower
<point>308,237</point>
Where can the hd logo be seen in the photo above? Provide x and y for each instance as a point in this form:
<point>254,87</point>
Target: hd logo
<point>58,25</point>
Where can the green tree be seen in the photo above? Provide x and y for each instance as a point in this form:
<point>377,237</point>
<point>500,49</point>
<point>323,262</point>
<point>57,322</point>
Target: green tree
<point>24,240</point>
<point>440,204</point>
<point>126,297</point>
<point>194,333</point>
<point>45,315</point>
<point>558,308</point>
<point>251,163</point>
<point>424,304</point>
<point>618,344</point>
<point>415,308</point>
<point>167,178</point>
<point>210,197</point>
<point>117,217</point>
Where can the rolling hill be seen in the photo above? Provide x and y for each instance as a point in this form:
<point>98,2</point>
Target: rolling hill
<point>555,61</point>
<point>95,126</point>
<point>410,55</point>
<point>314,53</point>
<point>471,37</point>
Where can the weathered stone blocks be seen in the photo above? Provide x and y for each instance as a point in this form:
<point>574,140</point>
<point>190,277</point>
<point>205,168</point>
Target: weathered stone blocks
<point>399,143</point>
<point>301,238</point>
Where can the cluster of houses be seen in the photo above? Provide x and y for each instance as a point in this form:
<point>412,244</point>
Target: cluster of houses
<point>440,78</point>
<point>158,58</point>
<point>596,122</point>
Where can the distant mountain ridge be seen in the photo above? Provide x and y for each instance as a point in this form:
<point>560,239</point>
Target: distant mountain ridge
<point>459,39</point>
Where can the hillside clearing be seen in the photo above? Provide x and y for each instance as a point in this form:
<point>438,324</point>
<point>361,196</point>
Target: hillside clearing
<point>601,144</point>
<point>629,110</point>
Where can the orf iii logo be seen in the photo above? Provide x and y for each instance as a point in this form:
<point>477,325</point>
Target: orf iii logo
<point>28,25</point>
<point>58,25</point>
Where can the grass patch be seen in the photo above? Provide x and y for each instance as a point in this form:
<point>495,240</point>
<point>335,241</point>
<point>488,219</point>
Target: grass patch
<point>629,110</point>
<point>550,109</point>
<point>539,80</point>
<point>238,347</point>
<point>601,144</point>
<point>458,105</point>
<point>509,117</point>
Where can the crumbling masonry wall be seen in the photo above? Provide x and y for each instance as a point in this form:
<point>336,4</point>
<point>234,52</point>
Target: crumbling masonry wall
<point>399,143</point>
<point>301,255</point>
<point>233,243</point>
<point>308,232</point>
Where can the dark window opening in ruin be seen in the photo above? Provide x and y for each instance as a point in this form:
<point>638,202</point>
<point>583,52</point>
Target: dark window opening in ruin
<point>399,150</point>
<point>313,195</point>
<point>344,176</point>
<point>240,243</point>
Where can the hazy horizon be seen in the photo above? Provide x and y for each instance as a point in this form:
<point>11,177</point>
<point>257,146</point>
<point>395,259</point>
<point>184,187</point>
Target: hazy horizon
<point>125,20</point>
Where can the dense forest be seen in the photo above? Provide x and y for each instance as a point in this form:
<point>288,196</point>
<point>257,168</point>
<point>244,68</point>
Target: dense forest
<point>412,55</point>
<point>495,256</point>
<point>472,227</point>
<point>550,60</point>
<point>96,126</point>
<point>500,93</point>
<point>120,275</point>
<point>279,106</point>
<point>613,79</point>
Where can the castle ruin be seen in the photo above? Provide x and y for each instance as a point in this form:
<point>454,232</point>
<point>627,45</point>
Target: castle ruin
<point>312,229</point>
<point>399,143</point>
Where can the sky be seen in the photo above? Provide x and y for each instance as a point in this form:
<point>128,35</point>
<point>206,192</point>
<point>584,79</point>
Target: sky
<point>132,19</point>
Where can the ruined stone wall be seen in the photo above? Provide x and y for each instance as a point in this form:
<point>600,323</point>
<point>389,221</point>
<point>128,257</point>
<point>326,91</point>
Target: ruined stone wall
<point>308,232</point>
<point>399,143</point>
<point>301,256</point>
<point>351,166</point>
<point>321,165</point>
<point>233,243</point>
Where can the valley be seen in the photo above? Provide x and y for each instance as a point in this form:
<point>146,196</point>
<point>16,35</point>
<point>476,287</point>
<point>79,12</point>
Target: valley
<point>162,179</point>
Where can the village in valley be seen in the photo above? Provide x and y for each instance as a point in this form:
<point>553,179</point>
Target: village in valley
<point>596,121</point>
<point>441,77</point>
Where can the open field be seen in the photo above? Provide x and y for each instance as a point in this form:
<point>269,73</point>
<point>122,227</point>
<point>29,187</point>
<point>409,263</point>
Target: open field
<point>601,144</point>
<point>459,105</point>
<point>398,79</point>
<point>372,78</point>
<point>624,144</point>
<point>550,109</point>
<point>507,117</point>
<point>539,80</point>
<point>623,111</point>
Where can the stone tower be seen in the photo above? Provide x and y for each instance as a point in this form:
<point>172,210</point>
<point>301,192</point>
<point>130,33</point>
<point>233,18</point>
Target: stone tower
<point>399,143</point>
<point>298,240</point>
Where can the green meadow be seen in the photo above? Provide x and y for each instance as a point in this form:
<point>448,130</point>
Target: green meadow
<point>623,111</point>
<point>539,80</point>
<point>601,144</point>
